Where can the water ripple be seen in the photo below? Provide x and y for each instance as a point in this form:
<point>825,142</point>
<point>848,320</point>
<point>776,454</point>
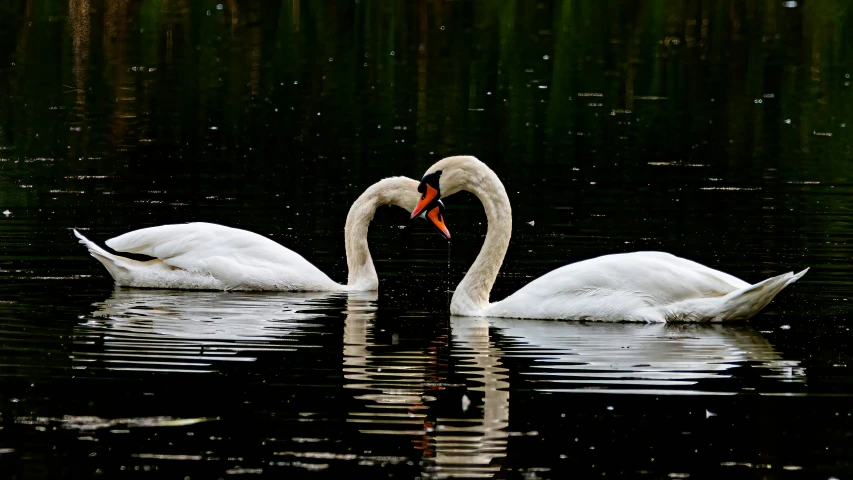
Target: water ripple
<point>654,359</point>
<point>158,330</point>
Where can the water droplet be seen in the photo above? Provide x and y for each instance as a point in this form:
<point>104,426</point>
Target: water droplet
<point>442,27</point>
<point>788,121</point>
<point>296,82</point>
<point>790,4</point>
<point>208,13</point>
<point>392,53</point>
<point>331,59</point>
<point>609,407</point>
<point>219,6</point>
<point>785,327</point>
<point>545,57</point>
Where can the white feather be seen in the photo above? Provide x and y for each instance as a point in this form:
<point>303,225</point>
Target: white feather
<point>638,287</point>
<point>207,256</point>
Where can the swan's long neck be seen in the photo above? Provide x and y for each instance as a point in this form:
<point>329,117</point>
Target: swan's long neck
<point>472,295</point>
<point>400,191</point>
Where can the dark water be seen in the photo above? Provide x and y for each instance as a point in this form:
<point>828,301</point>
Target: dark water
<point>717,131</point>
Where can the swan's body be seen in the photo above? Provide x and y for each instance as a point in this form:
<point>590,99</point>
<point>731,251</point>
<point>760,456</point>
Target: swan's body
<point>639,286</point>
<point>206,256</point>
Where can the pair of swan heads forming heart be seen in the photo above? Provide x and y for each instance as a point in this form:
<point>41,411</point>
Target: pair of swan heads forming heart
<point>430,204</point>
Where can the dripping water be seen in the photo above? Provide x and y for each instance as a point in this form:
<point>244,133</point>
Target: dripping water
<point>447,279</point>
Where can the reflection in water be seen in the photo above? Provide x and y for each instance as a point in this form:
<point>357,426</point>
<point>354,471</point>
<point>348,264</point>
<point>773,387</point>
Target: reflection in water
<point>654,359</point>
<point>449,397</point>
<point>400,385</point>
<point>563,357</point>
<point>164,330</point>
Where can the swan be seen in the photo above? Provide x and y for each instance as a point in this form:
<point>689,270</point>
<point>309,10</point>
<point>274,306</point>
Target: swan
<point>207,256</point>
<point>636,287</point>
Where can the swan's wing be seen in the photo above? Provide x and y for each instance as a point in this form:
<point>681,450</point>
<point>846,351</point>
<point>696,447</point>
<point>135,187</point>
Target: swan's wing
<point>617,285</point>
<point>656,274</point>
<point>689,265</point>
<point>231,255</point>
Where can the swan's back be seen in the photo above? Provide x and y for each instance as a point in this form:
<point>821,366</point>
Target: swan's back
<point>616,287</point>
<point>234,258</point>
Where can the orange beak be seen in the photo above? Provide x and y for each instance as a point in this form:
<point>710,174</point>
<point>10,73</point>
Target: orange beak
<point>437,219</point>
<point>428,196</point>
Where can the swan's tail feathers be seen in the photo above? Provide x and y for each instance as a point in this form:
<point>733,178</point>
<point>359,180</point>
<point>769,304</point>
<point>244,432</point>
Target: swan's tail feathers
<point>118,267</point>
<point>748,301</point>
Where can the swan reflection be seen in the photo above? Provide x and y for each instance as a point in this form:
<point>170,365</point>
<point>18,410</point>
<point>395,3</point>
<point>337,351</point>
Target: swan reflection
<point>398,387</point>
<point>189,331</point>
<point>449,395</point>
<point>629,358</point>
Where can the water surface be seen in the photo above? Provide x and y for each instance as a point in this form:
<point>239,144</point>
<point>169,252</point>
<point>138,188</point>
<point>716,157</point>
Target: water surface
<point>714,131</point>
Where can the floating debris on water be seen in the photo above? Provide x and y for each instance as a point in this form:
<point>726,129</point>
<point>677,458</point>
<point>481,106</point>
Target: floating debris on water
<point>675,164</point>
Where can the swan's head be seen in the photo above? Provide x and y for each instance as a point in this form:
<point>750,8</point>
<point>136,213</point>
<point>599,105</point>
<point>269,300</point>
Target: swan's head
<point>430,190</point>
<point>435,215</point>
<point>448,176</point>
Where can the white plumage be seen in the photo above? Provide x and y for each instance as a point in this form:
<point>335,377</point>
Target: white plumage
<point>639,286</point>
<point>207,256</point>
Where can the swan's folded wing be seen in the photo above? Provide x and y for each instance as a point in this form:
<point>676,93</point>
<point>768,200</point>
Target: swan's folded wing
<point>660,276</point>
<point>698,268</point>
<point>231,255</point>
<point>649,277</point>
<point>616,287</point>
<point>167,241</point>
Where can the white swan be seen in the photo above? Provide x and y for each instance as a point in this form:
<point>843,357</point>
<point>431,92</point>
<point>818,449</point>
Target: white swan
<point>638,286</point>
<point>206,256</point>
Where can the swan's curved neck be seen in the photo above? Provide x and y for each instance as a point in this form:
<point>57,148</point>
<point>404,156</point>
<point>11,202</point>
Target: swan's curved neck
<point>400,191</point>
<point>472,295</point>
